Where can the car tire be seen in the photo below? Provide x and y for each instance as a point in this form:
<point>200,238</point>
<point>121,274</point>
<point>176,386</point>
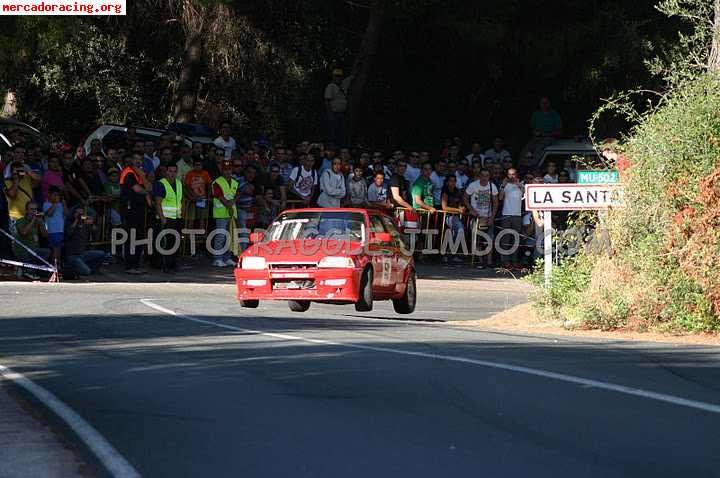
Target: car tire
<point>406,303</point>
<point>365,295</point>
<point>299,305</point>
<point>249,304</point>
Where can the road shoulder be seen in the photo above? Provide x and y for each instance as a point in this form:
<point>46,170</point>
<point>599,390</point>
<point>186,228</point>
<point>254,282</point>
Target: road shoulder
<point>29,448</point>
<point>522,319</point>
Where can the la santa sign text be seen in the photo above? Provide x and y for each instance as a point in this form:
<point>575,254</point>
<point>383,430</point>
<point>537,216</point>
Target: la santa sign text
<point>566,197</point>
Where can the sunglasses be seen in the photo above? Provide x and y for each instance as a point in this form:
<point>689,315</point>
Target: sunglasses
<point>274,171</point>
<point>219,154</point>
<point>237,165</point>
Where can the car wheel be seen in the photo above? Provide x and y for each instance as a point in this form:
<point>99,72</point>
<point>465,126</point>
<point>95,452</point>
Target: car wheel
<point>299,305</point>
<point>406,303</point>
<point>365,297</point>
<point>250,304</point>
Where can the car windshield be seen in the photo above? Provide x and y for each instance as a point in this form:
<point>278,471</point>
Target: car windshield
<point>31,137</point>
<point>318,225</point>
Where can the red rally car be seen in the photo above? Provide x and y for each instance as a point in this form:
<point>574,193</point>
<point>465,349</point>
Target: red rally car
<point>338,256</point>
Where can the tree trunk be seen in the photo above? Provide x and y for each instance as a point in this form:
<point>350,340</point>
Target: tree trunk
<point>364,64</point>
<point>714,59</point>
<point>189,82</point>
<point>10,104</point>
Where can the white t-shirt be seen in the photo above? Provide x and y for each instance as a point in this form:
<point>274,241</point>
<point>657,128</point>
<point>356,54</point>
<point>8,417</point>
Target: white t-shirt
<point>303,181</point>
<point>337,98</point>
<point>512,204</point>
<point>547,179</point>
<point>411,173</point>
<point>462,179</point>
<point>438,182</point>
<point>481,197</point>
<point>228,146</point>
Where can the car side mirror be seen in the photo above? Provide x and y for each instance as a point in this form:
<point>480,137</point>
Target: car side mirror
<point>380,237</point>
<point>256,237</point>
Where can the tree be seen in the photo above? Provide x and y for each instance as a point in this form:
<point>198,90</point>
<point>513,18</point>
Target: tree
<point>364,63</point>
<point>193,18</point>
<point>714,58</point>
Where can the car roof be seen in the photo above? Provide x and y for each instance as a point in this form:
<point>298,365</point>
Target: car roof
<point>201,139</point>
<point>193,129</point>
<point>14,122</point>
<point>571,146</point>
<point>125,127</point>
<point>105,128</point>
<point>338,209</point>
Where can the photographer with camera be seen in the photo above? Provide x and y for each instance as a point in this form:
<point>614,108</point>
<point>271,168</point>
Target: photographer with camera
<point>19,192</point>
<point>28,230</point>
<point>82,260</point>
<point>511,194</point>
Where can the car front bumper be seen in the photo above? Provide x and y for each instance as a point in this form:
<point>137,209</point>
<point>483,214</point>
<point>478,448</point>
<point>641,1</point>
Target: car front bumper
<point>330,285</point>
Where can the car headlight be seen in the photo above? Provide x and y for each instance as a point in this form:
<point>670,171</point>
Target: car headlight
<point>251,262</point>
<point>336,262</point>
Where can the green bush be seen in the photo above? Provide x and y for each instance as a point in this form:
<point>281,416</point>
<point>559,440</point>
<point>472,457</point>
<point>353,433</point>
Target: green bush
<point>664,268</point>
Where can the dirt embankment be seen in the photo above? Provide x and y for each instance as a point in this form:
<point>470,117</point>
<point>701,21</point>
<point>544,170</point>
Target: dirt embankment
<point>522,318</point>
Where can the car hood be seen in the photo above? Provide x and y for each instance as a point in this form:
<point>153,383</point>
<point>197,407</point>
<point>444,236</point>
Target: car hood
<point>308,250</point>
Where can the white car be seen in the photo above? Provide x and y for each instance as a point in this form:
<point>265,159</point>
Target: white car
<point>195,132</point>
<point>572,155</point>
<point>110,134</point>
<point>32,136</point>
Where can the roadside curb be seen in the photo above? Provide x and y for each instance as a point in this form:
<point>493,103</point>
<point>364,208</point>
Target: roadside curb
<point>29,446</point>
<point>102,456</point>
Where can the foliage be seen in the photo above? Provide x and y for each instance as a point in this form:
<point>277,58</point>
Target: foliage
<point>447,67</point>
<point>664,270</point>
<point>93,65</point>
<point>687,56</point>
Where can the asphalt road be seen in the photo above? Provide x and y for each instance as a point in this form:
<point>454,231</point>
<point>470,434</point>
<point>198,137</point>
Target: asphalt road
<point>222,391</point>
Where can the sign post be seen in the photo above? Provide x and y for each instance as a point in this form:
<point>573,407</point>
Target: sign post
<point>567,197</point>
<point>547,243</point>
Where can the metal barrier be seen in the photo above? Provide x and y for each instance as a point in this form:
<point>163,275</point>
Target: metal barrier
<point>437,221</point>
<point>47,267</point>
<point>201,218</point>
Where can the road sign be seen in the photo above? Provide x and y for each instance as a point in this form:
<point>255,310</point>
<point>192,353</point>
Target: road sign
<point>598,177</point>
<point>571,197</point>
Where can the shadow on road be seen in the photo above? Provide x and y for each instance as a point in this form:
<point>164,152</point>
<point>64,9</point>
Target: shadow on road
<point>173,394</point>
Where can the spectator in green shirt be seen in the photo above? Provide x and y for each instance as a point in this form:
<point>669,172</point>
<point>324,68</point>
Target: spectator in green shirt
<point>422,189</point>
<point>546,122</point>
<point>112,192</point>
<point>28,230</point>
<point>546,126</point>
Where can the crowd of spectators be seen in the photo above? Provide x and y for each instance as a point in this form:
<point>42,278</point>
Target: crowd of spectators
<point>59,204</point>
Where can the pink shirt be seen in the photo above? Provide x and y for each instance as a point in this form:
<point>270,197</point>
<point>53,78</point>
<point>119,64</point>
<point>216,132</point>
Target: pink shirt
<point>50,178</point>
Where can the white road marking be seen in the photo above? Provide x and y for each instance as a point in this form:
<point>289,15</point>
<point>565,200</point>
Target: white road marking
<point>584,382</point>
<point>111,459</point>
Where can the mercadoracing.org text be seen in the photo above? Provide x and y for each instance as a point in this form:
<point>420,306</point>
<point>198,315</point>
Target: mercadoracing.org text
<point>44,7</point>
